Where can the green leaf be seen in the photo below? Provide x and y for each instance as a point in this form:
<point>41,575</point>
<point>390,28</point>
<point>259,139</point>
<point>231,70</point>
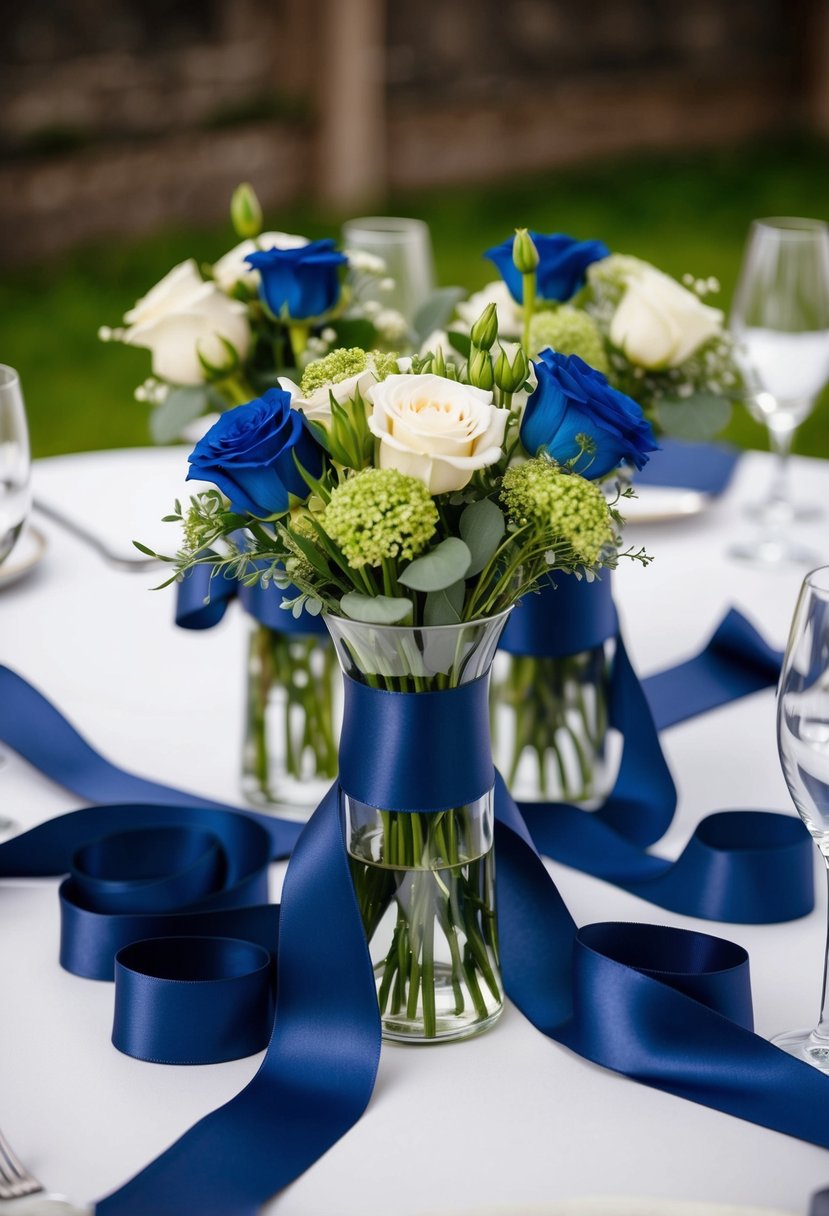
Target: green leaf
<point>440,568</point>
<point>377,609</point>
<point>462,343</point>
<point>699,417</point>
<point>444,607</point>
<point>434,313</point>
<point>482,526</point>
<point>180,406</point>
<point>355,332</point>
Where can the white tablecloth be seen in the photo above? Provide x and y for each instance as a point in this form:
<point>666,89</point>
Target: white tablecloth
<point>505,1123</point>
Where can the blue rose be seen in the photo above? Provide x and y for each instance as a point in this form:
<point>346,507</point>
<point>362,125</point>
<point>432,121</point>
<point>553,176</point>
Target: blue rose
<point>303,281</point>
<point>249,454</point>
<point>572,399</point>
<point>562,261</point>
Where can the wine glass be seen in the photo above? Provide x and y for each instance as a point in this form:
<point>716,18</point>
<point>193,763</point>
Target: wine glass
<point>15,461</point>
<point>780,322</point>
<point>803,742</point>
<point>405,246</point>
<point>15,488</point>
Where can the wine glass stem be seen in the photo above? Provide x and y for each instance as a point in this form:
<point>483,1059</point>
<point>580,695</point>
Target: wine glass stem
<point>822,1028</point>
<point>781,434</point>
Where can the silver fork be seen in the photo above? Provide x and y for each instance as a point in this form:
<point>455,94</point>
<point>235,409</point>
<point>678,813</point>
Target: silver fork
<point>95,542</point>
<point>17,1183</point>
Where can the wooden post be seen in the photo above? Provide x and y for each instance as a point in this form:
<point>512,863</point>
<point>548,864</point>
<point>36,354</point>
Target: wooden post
<point>351,98</point>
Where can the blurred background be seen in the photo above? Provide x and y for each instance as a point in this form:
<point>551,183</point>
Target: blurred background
<point>661,128</point>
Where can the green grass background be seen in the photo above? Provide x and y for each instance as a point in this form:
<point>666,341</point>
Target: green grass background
<point>684,212</point>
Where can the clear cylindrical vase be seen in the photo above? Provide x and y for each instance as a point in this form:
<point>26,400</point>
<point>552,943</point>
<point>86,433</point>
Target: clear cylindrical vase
<point>292,721</point>
<point>425,880</point>
<point>550,705</point>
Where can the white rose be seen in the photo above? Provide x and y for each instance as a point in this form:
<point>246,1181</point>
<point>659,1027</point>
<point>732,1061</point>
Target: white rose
<point>510,316</point>
<point>317,406</point>
<point>232,267</point>
<point>658,323</point>
<point>435,429</point>
<point>182,317</point>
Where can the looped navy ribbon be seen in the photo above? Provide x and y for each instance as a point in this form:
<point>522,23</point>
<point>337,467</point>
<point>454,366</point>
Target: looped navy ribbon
<point>202,601</point>
<point>750,866</point>
<point>654,1004</point>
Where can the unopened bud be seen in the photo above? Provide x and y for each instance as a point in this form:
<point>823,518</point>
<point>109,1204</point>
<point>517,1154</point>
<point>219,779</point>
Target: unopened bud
<point>485,330</point>
<point>509,376</point>
<point>245,212</point>
<point>524,252</point>
<point>480,370</point>
<point>439,362</point>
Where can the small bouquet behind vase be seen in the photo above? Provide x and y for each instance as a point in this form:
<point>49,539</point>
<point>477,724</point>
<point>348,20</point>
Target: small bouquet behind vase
<point>413,503</point>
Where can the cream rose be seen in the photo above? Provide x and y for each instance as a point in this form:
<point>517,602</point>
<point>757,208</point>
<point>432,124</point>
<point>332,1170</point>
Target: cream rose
<point>658,323</point>
<point>232,267</point>
<point>435,429</point>
<point>317,405</point>
<point>182,317</point>
<point>510,315</point>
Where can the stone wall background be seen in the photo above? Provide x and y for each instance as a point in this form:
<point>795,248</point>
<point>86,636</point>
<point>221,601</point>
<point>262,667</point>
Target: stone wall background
<point>124,117</point>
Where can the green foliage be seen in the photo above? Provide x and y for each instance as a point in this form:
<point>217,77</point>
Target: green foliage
<point>698,417</point>
<point>435,313</point>
<point>377,609</point>
<point>439,568</point>
<point>180,406</point>
<point>482,526</point>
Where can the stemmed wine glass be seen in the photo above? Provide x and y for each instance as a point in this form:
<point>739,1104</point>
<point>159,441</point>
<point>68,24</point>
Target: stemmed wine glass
<point>780,322</point>
<point>803,742</point>
<point>15,488</point>
<point>406,248</point>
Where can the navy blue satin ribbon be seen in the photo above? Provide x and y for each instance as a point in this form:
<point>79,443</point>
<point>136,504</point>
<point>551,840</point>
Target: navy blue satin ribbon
<point>706,467</point>
<point>202,601</point>
<point>749,866</point>
<point>651,1003</point>
<point>380,767</point>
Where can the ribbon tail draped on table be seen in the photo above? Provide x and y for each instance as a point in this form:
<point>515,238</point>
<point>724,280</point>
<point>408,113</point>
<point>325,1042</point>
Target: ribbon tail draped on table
<point>667,1007</point>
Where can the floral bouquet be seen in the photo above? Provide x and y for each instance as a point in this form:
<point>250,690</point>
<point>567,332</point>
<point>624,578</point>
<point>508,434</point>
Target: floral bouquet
<point>220,334</point>
<point>655,339</point>
<point>413,503</point>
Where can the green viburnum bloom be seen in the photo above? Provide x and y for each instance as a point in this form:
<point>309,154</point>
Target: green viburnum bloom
<point>342,364</point>
<point>560,504</point>
<point>569,331</point>
<point>379,514</point>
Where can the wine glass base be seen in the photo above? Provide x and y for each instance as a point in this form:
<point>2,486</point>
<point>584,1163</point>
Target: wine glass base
<point>773,552</point>
<point>805,1045</point>
<point>771,512</point>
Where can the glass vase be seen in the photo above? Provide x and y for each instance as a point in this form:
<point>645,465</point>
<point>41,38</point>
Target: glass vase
<point>425,880</point>
<point>292,724</point>
<point>550,710</point>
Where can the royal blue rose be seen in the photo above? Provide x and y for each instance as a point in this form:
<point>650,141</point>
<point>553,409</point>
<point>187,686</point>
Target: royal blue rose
<point>573,399</point>
<point>562,262</point>
<point>249,454</point>
<point>304,281</point>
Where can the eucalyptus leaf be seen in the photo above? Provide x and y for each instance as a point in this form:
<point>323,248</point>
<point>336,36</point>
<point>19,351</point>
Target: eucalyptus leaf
<point>698,417</point>
<point>440,568</point>
<point>434,312</point>
<point>376,609</point>
<point>444,607</point>
<point>180,406</point>
<point>482,527</point>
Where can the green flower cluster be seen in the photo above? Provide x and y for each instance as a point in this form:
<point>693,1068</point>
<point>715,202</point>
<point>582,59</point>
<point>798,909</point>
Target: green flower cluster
<point>380,514</point>
<point>345,362</point>
<point>561,505</point>
<point>570,331</point>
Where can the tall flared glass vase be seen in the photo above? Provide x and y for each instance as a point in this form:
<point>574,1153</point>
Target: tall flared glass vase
<point>424,878</point>
<point>293,708</point>
<point>550,693</point>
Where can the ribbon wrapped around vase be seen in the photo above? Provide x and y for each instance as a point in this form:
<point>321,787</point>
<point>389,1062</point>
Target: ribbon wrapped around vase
<point>735,858</point>
<point>670,1008</point>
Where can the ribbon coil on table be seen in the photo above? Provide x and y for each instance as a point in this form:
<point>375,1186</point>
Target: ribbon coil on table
<point>667,1007</point>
